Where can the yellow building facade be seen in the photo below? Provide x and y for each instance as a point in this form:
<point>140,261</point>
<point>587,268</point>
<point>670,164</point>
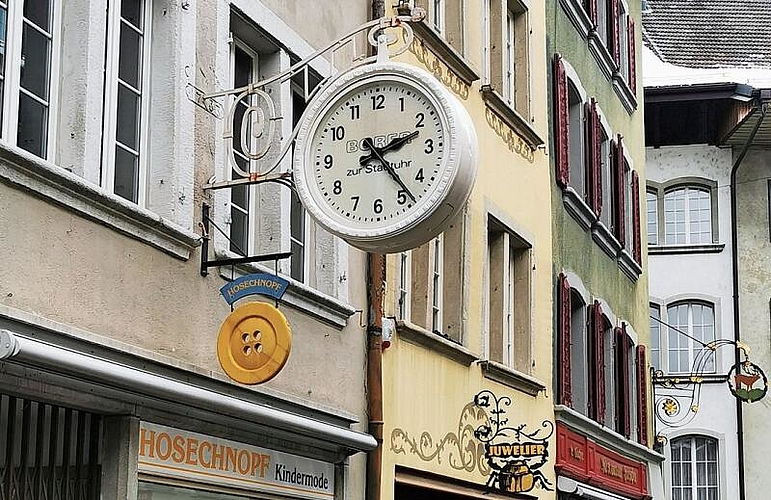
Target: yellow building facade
<point>467,365</point>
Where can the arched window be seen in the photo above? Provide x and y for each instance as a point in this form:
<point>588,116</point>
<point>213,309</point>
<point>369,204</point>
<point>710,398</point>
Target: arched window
<point>687,216</point>
<point>694,468</point>
<point>697,320</point>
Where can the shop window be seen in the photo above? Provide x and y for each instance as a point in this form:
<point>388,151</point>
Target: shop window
<point>509,259</point>
<point>694,473</point>
<point>156,491</point>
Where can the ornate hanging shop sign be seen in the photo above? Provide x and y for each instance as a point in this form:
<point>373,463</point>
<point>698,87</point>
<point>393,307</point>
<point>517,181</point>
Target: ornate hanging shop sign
<point>509,455</point>
<point>254,342</point>
<point>747,382</point>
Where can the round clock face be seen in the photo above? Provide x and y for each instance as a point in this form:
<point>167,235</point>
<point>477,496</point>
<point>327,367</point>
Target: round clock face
<point>378,157</point>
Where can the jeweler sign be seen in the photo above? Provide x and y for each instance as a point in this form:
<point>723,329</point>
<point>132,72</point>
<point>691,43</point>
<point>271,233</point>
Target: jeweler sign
<point>168,452</point>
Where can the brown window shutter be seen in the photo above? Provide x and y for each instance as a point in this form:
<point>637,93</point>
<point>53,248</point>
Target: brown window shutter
<point>636,218</point>
<point>620,209</point>
<point>631,58</point>
<point>596,160</point>
<point>642,396</point>
<point>561,123</point>
<point>563,299</point>
<point>615,45</point>
<point>597,364</point>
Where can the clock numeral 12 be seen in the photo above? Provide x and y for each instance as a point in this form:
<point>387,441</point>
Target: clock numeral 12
<point>378,101</point>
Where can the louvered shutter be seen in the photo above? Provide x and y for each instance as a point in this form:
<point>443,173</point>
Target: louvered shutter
<point>636,218</point>
<point>615,45</point>
<point>588,155</point>
<point>563,299</point>
<point>561,120</point>
<point>597,364</point>
<point>632,55</point>
<point>596,160</point>
<point>642,396</point>
<point>620,209</point>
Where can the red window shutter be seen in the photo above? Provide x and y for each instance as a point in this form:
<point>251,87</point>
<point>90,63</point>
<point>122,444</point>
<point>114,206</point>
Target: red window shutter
<point>561,123</point>
<point>563,298</point>
<point>615,46</point>
<point>596,160</point>
<point>636,218</point>
<point>632,55</point>
<point>592,4</point>
<point>597,364</point>
<point>642,396</point>
<point>625,382</point>
<point>619,175</point>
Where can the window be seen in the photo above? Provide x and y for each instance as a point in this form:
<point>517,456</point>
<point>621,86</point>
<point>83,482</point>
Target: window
<point>505,52</point>
<point>697,320</point>
<point>268,218</point>
<point>446,18</point>
<point>430,279</point>
<point>606,171</point>
<point>28,73</point>
<point>577,135</point>
<point>655,314</point>
<point>436,15</point>
<point>682,212</point>
<point>694,468</point>
<point>687,216</point>
<point>126,99</point>
<point>652,212</point>
<point>508,297</point>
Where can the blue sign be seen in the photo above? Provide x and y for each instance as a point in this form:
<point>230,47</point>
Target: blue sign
<point>254,284</point>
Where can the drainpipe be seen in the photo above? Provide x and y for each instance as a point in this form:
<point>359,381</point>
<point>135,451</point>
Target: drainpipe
<point>376,271</point>
<point>735,265</point>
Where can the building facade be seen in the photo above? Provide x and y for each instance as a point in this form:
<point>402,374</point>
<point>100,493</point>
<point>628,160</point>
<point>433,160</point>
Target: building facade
<point>467,323</point>
<point>707,204</point>
<point>109,379</point>
<point>599,273</point>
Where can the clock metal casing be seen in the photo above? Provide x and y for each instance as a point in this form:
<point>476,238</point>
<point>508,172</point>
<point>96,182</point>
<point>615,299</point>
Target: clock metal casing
<point>448,172</point>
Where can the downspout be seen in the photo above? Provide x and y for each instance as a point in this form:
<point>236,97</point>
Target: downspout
<point>735,270</point>
<point>376,271</point>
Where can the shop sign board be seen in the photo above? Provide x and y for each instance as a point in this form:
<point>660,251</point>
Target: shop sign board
<point>584,460</point>
<point>175,453</point>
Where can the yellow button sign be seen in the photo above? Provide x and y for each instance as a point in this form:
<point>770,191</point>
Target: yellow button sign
<point>254,343</point>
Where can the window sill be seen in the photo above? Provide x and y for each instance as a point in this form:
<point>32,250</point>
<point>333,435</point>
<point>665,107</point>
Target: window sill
<point>446,52</point>
<point>628,265</point>
<point>604,435</point>
<point>511,117</point>
<point>602,55</point>
<point>56,185</point>
<point>578,209</point>
<point>606,240</point>
<point>578,16</point>
<point>685,249</point>
<point>298,295</point>
<point>511,377</point>
<point>415,334</point>
<point>625,94</point>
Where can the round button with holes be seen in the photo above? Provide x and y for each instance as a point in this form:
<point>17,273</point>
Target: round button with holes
<point>254,342</point>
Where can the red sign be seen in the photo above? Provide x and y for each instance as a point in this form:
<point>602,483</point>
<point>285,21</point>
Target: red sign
<point>586,461</point>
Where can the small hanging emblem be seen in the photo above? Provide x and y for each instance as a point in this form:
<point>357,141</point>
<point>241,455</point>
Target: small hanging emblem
<point>747,382</point>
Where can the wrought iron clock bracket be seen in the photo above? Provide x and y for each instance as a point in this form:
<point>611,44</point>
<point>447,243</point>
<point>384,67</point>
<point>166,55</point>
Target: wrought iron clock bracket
<point>205,224</point>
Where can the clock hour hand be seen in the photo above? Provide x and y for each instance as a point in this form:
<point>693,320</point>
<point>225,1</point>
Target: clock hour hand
<point>394,145</point>
<point>378,153</point>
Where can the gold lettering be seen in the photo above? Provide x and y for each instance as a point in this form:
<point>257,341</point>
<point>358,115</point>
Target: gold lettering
<point>148,442</point>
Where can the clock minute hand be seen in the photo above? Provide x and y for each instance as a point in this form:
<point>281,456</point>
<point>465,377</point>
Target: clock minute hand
<point>387,166</point>
<point>394,145</point>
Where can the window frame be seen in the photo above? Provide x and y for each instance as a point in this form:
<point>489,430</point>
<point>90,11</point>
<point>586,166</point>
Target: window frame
<point>112,84</point>
<point>662,358</point>
<point>719,458</point>
<point>661,188</point>
<point>495,29</point>
<point>12,89</point>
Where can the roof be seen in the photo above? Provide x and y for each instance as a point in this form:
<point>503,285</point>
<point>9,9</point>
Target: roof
<point>710,33</point>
